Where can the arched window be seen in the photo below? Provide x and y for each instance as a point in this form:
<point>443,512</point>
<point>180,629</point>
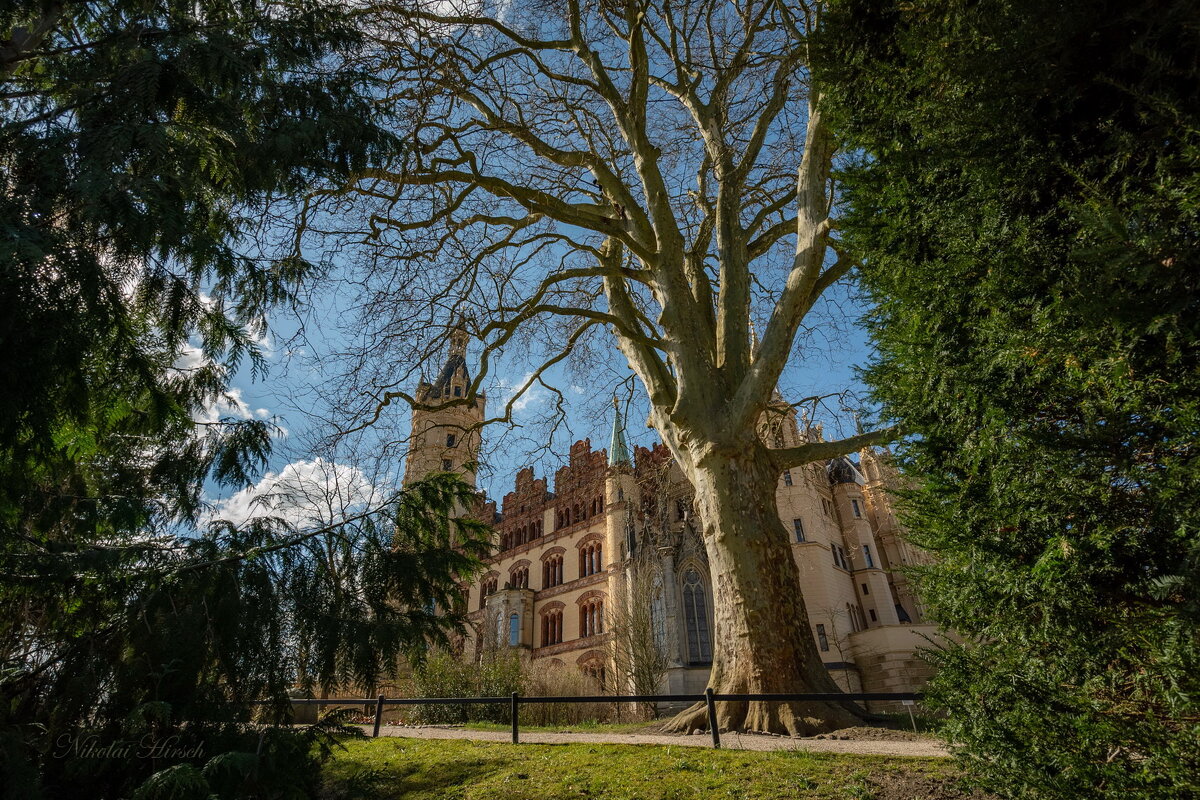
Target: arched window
<point>658,613</point>
<point>695,617</point>
<point>552,570</point>
<point>551,627</point>
<point>591,617</point>
<point>514,630</point>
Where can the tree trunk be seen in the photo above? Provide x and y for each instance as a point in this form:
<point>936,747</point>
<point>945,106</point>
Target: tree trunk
<point>762,640</point>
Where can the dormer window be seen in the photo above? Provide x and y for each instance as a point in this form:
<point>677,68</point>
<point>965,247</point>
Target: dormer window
<point>458,391</point>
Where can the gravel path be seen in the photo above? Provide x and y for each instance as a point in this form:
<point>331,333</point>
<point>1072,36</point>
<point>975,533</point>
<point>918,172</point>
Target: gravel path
<point>926,747</point>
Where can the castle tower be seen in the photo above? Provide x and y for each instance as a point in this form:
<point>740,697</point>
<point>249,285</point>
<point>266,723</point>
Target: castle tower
<point>446,439</point>
<point>620,492</point>
<point>867,562</point>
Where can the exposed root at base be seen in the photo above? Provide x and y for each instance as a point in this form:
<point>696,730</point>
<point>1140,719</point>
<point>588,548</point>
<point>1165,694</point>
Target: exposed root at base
<point>787,719</point>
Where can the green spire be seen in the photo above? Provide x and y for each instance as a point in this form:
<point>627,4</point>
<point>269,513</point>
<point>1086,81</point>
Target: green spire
<point>618,451</point>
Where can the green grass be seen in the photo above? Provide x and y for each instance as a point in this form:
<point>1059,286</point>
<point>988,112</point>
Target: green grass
<point>394,768</point>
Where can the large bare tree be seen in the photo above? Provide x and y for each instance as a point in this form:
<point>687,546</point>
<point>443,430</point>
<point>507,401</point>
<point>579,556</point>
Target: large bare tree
<point>653,170</point>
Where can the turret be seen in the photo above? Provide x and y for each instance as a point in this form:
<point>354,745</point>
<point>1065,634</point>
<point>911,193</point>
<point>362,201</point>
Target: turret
<point>619,492</point>
<point>446,439</point>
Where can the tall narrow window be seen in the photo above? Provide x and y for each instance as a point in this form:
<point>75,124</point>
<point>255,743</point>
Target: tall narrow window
<point>514,630</point>
<point>458,391</point>
<point>855,508</point>
<point>695,616</point>
<point>449,440</point>
<point>798,527</point>
<point>822,639</point>
<point>787,477</point>
<point>867,557</point>
<point>658,613</point>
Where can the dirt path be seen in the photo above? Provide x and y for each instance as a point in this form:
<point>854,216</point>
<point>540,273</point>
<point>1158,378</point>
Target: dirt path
<point>923,746</point>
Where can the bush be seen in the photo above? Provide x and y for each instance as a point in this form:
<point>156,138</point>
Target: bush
<point>499,675</point>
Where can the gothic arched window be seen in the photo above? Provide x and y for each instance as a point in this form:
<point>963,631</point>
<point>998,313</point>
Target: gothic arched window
<point>695,617</point>
<point>514,630</point>
<point>658,614</point>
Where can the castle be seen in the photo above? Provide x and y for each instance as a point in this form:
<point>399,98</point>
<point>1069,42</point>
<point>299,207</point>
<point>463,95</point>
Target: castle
<point>567,553</point>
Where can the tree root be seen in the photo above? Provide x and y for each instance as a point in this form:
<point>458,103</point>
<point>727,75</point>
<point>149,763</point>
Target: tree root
<point>799,718</point>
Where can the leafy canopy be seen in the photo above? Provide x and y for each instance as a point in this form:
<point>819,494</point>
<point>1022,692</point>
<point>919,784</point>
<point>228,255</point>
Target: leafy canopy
<point>1026,206</point>
<point>142,143</point>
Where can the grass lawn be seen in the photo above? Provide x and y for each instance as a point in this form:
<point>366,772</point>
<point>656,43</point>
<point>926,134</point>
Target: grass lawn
<point>413,769</point>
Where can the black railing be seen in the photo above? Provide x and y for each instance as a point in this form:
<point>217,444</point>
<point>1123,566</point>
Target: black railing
<point>709,698</point>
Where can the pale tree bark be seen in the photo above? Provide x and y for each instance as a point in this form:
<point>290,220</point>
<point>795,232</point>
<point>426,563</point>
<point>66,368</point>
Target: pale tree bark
<point>659,170</point>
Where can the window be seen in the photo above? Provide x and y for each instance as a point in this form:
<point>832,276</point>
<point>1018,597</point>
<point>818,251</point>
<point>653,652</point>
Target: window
<point>825,506</point>
<point>864,588</point>
<point>855,508</point>
<point>519,578</point>
<point>449,440</point>
<point>446,465</point>
<point>658,613</point>
<point>591,617</point>
<point>874,618</point>
<point>822,639</point>
<point>839,557</point>
<point>695,616</point>
<point>552,571</point>
<point>551,627</point>
<point>590,559</point>
<point>798,527</point>
<point>489,587</point>
<point>787,477</point>
<point>867,557</point>
<point>458,391</point>
<point>514,630</point>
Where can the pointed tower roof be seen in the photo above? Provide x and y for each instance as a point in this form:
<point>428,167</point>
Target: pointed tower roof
<point>455,359</point>
<point>618,451</point>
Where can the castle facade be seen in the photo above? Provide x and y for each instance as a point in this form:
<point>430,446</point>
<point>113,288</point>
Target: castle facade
<point>569,553</point>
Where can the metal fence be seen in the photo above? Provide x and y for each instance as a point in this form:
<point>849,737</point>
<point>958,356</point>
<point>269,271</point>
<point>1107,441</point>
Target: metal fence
<point>709,698</point>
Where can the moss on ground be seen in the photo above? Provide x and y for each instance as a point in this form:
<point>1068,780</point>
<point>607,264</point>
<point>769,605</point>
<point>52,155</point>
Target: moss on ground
<point>412,769</point>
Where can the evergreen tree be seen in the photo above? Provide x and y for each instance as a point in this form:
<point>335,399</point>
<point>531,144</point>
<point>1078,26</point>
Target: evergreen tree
<point>1027,208</point>
<point>141,141</point>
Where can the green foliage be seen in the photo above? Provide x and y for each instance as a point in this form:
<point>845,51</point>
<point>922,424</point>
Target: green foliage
<point>1026,208</point>
<point>447,675</point>
<point>179,637</point>
<point>143,143</point>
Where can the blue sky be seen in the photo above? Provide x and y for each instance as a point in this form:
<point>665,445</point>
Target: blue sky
<point>824,363</point>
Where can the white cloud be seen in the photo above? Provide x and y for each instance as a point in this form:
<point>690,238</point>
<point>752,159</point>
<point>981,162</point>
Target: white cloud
<point>229,404</point>
<point>306,493</point>
<point>533,397</point>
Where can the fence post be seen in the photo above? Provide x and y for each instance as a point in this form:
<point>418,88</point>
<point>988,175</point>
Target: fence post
<point>516,738</point>
<point>378,716</point>
<point>712,717</point>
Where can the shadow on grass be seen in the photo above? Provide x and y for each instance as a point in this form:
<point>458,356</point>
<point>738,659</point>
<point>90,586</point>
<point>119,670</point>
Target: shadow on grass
<point>390,769</point>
